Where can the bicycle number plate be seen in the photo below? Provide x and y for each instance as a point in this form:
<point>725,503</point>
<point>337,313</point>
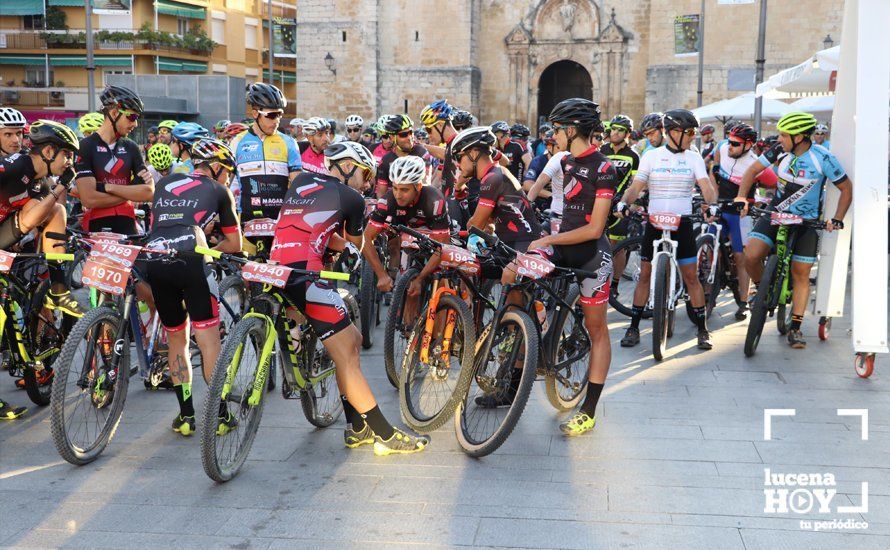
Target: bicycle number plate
<point>784,218</point>
<point>458,258</point>
<point>260,227</point>
<point>122,254</point>
<point>6,259</point>
<point>409,242</point>
<point>107,236</point>
<point>665,222</point>
<point>533,266</point>
<point>101,274</point>
<point>267,274</point>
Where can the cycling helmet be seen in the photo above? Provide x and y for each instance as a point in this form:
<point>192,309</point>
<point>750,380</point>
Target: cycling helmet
<point>221,125</point>
<point>577,112</point>
<point>744,132</point>
<point>436,111</point>
<point>652,121</point>
<point>500,126</point>
<point>397,123</point>
<point>265,96</point>
<point>820,129</point>
<point>189,132</point>
<point>408,170</point>
<point>462,120</point>
<point>354,120</point>
<point>332,124</point>
<point>234,129</point>
<point>520,131</point>
<point>297,122</point>
<point>45,132</point>
<point>382,120</point>
<point>477,136</point>
<point>796,123</point>
<point>11,118</point>
<point>315,125</point>
<point>370,131</point>
<point>707,129</point>
<point>122,98</point>
<point>607,125</point>
<point>350,150</point>
<point>152,129</point>
<point>168,124</point>
<point>377,127</point>
<point>421,133</point>
<point>727,128</point>
<point>683,119</point>
<point>550,137</point>
<point>207,149</point>
<point>90,122</point>
<point>767,142</point>
<point>160,156</point>
<point>623,122</point>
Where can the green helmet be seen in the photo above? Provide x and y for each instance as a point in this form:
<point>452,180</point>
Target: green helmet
<point>168,124</point>
<point>796,123</point>
<point>160,156</point>
<point>90,122</point>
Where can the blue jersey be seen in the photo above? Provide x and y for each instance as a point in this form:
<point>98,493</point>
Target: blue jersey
<point>801,186</point>
<point>182,167</point>
<point>536,167</point>
<point>263,167</point>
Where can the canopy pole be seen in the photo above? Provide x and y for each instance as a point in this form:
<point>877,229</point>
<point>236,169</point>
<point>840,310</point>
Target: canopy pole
<point>759,62</point>
<point>91,67</point>
<point>701,55</point>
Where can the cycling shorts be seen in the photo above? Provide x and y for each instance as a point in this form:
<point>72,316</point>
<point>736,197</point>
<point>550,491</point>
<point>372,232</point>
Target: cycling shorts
<point>617,229</point>
<point>805,247</point>
<point>594,290</point>
<point>685,237</point>
<point>732,224</point>
<point>10,233</point>
<point>321,304</point>
<point>184,289</point>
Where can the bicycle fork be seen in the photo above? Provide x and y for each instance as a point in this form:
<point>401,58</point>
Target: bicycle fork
<point>672,290</point>
<point>429,327</point>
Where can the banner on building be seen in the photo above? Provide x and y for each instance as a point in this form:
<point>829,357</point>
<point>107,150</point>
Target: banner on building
<point>284,36</point>
<point>686,35</point>
<point>111,7</point>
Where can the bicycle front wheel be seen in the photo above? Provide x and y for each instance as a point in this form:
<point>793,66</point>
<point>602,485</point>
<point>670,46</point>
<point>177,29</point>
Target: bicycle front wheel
<point>760,307</point>
<point>621,295</point>
<point>368,300</point>
<point>567,386</point>
<point>237,390</point>
<point>88,393</point>
<point>399,326</point>
<point>707,247</point>
<point>660,316</point>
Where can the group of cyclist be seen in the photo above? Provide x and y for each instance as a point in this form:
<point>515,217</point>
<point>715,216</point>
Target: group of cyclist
<point>564,196</point>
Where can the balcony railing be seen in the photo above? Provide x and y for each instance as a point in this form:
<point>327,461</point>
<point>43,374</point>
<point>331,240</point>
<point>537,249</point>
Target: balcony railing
<point>35,97</point>
<point>287,62</point>
<point>76,39</point>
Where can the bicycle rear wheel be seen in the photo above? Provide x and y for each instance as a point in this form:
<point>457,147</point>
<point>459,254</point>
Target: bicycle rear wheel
<point>429,392</point>
<point>621,295</point>
<point>398,329</point>
<point>232,383</point>
<point>761,305</point>
<point>566,387</point>
<point>87,394</point>
<point>233,296</point>
<point>482,430</point>
<point>707,247</point>
<point>368,301</point>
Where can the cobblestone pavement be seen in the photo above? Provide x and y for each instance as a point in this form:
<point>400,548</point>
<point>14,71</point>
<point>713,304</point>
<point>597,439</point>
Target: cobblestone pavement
<point>676,461</point>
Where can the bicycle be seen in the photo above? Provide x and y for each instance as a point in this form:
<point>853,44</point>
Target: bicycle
<point>716,262</point>
<point>245,361</point>
<point>775,288</point>
<point>629,250</point>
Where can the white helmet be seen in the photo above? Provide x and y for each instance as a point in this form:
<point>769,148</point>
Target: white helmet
<point>11,118</point>
<point>820,129</point>
<point>297,122</point>
<point>354,120</point>
<point>350,150</point>
<point>315,124</point>
<point>408,170</point>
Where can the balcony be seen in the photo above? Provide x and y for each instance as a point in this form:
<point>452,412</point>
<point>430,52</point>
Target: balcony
<point>30,97</point>
<point>280,62</point>
<point>119,39</point>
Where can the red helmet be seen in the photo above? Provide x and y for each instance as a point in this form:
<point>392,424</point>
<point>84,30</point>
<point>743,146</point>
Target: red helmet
<point>743,132</point>
<point>234,129</point>
<point>706,129</point>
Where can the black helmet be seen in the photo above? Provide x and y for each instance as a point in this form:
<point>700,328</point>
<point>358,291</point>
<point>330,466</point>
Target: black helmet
<point>520,131</point>
<point>265,96</point>
<point>333,124</point>
<point>369,131</point>
<point>622,121</point>
<point>683,119</point>
<point>727,128</point>
<point>48,132</point>
<point>706,129</point>
<point>153,130</point>
<point>577,112</point>
<point>545,128</point>
<point>500,126</point>
<point>121,98</point>
<point>477,136</point>
<point>462,120</point>
<point>397,123</point>
<point>652,121</point>
<point>744,132</point>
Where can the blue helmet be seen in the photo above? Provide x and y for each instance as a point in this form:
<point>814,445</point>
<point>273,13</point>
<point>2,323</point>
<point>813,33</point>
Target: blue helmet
<point>189,132</point>
<point>436,111</point>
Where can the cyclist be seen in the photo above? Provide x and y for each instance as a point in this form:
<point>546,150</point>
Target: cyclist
<point>151,136</point>
<point>318,137</point>
<point>233,130</point>
<point>354,125</point>
<point>219,129</point>
<point>803,169</point>
<point>540,145</point>
<point>535,169</point>
<point>160,159</point>
<point>185,289</point>
<point>12,127</point>
<point>400,128</point>
<point>184,135</point>
<point>316,207</point>
<point>461,196</point>
<point>626,162</point>
<point>89,123</point>
<point>652,127</point>
<point>165,131</point>
<point>671,173</point>
<point>386,141</point>
<point>369,138</point>
<point>461,120</point>
<point>265,159</point>
<point>551,178</point>
<point>708,144</point>
<point>581,242</point>
<point>514,155</point>
<point>820,136</point>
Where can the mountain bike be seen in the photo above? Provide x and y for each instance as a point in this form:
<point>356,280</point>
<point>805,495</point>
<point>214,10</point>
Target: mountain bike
<point>716,262</point>
<point>628,249</point>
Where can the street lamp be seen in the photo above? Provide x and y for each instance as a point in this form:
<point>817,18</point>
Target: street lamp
<point>330,63</point>
<point>827,41</point>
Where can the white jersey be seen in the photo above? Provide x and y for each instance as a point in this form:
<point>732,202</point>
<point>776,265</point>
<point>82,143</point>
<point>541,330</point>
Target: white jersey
<point>554,170</point>
<point>733,169</point>
<point>671,179</point>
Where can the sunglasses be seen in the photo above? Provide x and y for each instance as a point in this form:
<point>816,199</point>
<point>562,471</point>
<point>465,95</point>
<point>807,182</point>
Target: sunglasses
<point>164,131</point>
<point>735,143</point>
<point>274,115</point>
<point>688,132</point>
<point>132,116</point>
<point>353,130</point>
<point>819,134</point>
<point>405,133</point>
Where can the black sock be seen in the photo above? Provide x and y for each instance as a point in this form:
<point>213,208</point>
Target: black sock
<point>223,410</point>
<point>701,321</point>
<point>796,321</point>
<point>352,415</point>
<point>56,276</point>
<point>594,391</point>
<point>378,423</point>
<point>636,313</point>
<point>184,396</point>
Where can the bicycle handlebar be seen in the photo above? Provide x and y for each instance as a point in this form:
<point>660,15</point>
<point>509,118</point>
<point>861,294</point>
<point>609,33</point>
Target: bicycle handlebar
<point>330,275</point>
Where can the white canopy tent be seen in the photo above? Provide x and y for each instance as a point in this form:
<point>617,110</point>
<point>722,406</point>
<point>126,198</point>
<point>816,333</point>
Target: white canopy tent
<point>821,106</point>
<point>811,76</point>
<point>740,108</point>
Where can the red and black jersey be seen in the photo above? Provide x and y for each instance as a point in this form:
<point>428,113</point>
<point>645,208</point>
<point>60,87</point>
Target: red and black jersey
<point>428,212</point>
<point>513,216</point>
<point>588,177</point>
<point>312,161</point>
<point>315,207</point>
<point>116,163</point>
<point>183,205</point>
<point>390,157</point>
<point>18,184</point>
<point>514,152</point>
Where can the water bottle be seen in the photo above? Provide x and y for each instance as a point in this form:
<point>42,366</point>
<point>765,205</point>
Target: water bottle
<point>542,314</point>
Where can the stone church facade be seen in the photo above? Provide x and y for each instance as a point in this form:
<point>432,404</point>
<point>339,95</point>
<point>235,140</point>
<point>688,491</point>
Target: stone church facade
<point>513,59</point>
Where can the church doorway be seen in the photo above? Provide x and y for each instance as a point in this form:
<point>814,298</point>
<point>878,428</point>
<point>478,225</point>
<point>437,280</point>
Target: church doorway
<point>559,81</point>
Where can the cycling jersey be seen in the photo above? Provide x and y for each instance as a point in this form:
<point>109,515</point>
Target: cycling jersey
<point>536,167</point>
<point>730,171</point>
<point>116,163</point>
<point>383,170</point>
<point>802,179</point>
<point>707,149</point>
<point>18,184</point>
<point>312,161</point>
<point>588,177</point>
<point>182,167</point>
<point>671,179</point>
<point>315,207</point>
<point>647,146</point>
<point>379,152</point>
<point>512,213</point>
<point>514,151</point>
<point>427,212</point>
<point>264,167</point>
<point>625,161</point>
<point>553,169</point>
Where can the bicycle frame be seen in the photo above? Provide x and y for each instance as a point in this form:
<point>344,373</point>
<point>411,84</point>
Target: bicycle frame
<point>706,229</point>
<point>439,290</point>
<point>666,246</point>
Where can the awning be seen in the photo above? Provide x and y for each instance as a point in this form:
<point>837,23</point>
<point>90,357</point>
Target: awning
<point>741,108</point>
<point>288,77</point>
<point>179,65</point>
<point>813,75</point>
<point>65,3</point>
<point>169,7</point>
<point>22,7</point>
<point>99,60</point>
<point>822,105</point>
<point>6,59</point>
